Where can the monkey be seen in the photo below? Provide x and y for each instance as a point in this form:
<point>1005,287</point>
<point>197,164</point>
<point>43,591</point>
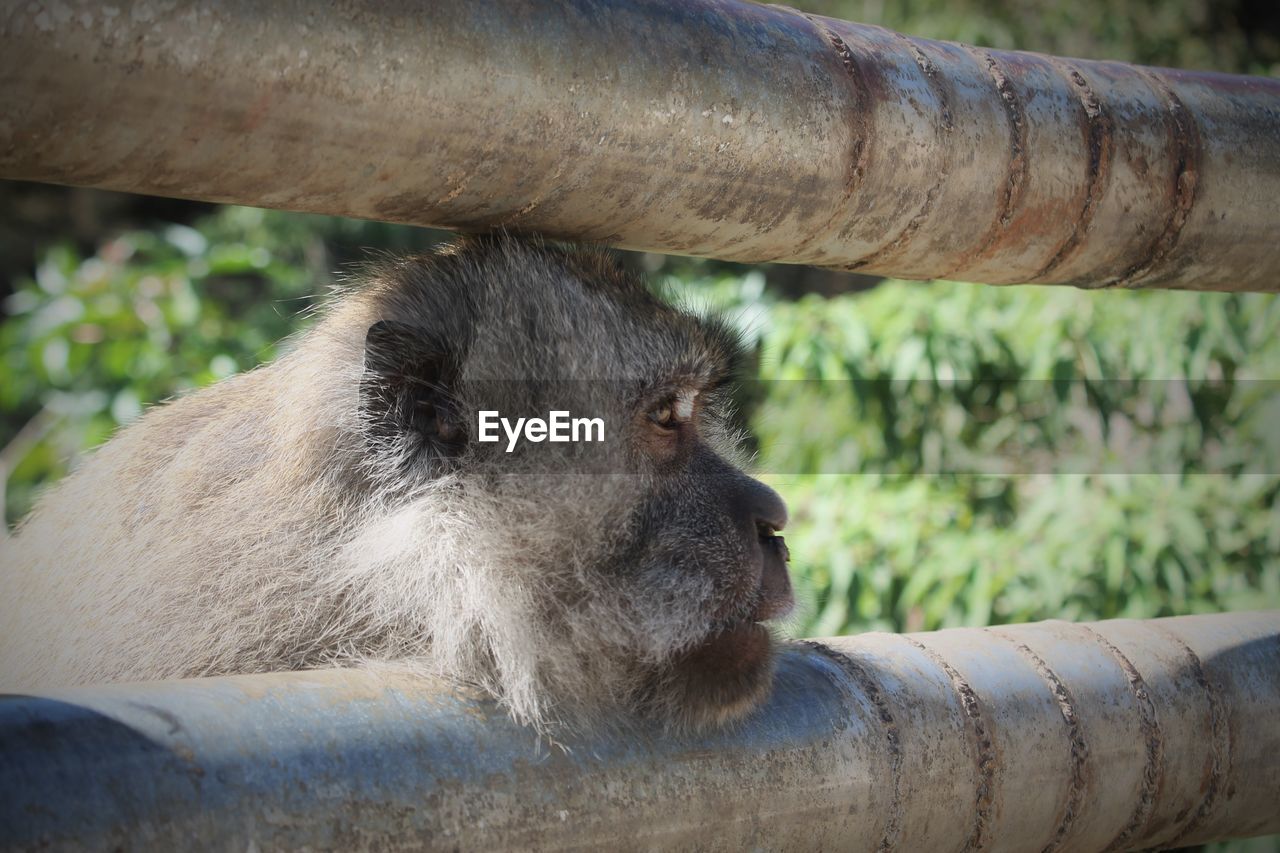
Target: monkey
<point>334,507</point>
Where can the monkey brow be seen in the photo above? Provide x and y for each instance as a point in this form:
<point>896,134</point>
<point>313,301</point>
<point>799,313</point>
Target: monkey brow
<point>723,353</point>
<point>715,371</point>
<point>705,379</point>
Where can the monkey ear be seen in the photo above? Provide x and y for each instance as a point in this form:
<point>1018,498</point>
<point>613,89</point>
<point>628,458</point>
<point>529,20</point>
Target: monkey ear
<point>407,393</point>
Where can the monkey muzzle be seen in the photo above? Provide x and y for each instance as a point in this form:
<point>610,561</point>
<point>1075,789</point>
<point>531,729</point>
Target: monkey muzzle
<point>730,671</point>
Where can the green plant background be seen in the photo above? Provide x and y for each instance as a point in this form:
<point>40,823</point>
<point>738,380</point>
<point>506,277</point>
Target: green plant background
<point>89,338</point>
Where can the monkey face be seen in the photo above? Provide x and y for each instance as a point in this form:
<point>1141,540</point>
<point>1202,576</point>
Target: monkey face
<point>713,523</point>
<point>642,568</point>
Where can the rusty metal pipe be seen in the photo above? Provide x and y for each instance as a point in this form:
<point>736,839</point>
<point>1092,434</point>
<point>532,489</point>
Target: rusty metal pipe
<point>705,127</point>
<point>1110,736</point>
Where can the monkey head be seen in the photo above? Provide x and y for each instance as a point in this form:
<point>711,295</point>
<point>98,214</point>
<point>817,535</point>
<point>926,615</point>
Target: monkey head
<point>634,568</point>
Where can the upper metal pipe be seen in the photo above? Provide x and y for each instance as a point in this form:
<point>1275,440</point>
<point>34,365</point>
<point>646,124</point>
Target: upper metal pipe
<point>707,127</point>
<point>1049,737</point>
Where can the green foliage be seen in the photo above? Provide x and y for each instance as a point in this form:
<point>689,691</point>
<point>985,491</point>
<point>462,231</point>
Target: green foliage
<point>92,340</point>
<point>897,422</point>
<point>156,313</point>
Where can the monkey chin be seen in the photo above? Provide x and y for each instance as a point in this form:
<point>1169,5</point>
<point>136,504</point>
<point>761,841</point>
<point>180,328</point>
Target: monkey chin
<point>722,680</point>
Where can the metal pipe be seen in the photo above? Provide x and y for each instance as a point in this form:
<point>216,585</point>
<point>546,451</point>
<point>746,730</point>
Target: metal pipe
<point>1110,736</point>
<point>705,127</point>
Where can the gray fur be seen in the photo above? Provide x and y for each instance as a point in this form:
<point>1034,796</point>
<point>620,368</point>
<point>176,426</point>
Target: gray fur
<point>265,523</point>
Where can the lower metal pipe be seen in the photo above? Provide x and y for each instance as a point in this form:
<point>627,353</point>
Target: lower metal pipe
<point>1053,736</point>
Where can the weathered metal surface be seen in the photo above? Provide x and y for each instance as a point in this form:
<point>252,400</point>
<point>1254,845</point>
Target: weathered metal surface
<point>707,127</point>
<point>1111,736</point>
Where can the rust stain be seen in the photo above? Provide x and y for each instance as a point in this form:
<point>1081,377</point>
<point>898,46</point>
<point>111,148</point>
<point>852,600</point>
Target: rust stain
<point>1014,183</point>
<point>930,73</point>
<point>861,127</point>
<point>1184,140</point>
<point>1100,140</point>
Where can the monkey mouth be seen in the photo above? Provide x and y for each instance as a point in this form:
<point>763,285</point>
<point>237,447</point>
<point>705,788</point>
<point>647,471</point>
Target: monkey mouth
<point>729,671</point>
<point>735,653</point>
<point>725,677</point>
<point>741,642</point>
<point>740,646</point>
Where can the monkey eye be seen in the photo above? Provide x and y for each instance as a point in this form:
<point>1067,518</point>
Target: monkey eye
<point>438,422</point>
<point>664,416</point>
<point>672,413</point>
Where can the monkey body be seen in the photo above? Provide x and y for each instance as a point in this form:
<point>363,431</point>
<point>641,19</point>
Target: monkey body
<point>335,507</point>
<point>206,513</point>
